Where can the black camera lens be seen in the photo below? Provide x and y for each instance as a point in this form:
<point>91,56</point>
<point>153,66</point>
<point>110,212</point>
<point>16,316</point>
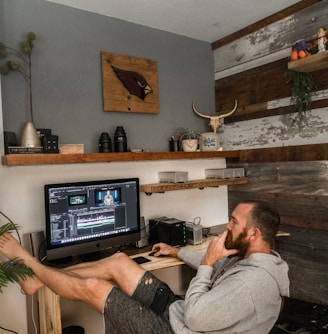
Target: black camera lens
<point>105,143</point>
<point>120,140</point>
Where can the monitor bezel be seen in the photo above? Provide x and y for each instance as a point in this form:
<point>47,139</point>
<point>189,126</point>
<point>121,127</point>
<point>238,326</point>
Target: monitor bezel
<point>99,243</point>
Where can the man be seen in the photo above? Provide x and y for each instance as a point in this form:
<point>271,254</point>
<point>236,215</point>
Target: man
<point>238,287</point>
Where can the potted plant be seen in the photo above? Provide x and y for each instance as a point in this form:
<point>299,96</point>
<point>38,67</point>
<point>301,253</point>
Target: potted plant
<point>189,140</point>
<point>303,86</point>
<point>12,270</point>
<point>21,62</point>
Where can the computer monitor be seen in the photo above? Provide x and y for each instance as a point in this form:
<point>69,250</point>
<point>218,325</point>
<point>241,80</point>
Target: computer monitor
<point>86,217</point>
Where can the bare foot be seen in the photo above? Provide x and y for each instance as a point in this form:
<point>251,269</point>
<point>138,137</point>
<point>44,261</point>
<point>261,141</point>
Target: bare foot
<point>10,247</point>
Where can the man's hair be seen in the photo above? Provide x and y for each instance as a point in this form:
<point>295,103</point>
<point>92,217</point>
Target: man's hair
<point>264,218</point>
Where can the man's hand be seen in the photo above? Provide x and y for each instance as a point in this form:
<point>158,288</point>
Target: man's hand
<point>216,250</point>
<point>164,249</point>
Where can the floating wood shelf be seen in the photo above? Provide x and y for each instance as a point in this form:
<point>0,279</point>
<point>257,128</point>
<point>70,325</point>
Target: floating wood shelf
<point>316,62</point>
<point>47,159</point>
<point>200,184</point>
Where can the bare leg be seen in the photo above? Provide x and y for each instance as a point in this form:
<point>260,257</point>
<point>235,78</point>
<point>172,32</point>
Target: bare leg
<point>87,282</point>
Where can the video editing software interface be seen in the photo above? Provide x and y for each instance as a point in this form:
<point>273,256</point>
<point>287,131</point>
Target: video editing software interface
<point>82,212</point>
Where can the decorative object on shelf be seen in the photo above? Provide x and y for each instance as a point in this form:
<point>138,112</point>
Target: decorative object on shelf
<point>11,270</point>
<point>129,83</point>
<point>303,86</point>
<point>209,141</point>
<point>322,39</point>
<point>71,148</point>
<point>189,140</point>
<point>105,143</point>
<point>120,140</point>
<point>22,64</point>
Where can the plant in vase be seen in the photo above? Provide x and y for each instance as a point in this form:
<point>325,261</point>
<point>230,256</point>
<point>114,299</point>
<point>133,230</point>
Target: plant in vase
<point>189,140</point>
<point>21,62</point>
<point>12,270</point>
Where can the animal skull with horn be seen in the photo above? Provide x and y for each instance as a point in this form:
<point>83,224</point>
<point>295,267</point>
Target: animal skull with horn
<point>215,120</point>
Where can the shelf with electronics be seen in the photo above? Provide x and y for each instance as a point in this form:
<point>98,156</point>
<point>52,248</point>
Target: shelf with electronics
<point>192,184</point>
<point>11,160</point>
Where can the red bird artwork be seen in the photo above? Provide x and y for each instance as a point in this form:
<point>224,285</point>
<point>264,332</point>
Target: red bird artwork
<point>134,82</point>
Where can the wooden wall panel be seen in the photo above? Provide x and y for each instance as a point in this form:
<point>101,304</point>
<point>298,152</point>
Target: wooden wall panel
<point>299,192</point>
<point>256,88</point>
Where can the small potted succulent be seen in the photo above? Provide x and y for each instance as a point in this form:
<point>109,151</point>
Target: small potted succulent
<point>189,140</point>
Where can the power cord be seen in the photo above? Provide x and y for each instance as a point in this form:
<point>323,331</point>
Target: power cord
<point>8,330</point>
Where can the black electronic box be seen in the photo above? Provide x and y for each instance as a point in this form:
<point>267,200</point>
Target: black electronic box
<point>172,231</point>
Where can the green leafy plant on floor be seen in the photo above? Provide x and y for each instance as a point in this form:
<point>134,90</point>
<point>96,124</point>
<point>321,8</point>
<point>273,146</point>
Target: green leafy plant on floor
<point>12,270</point>
<point>303,86</point>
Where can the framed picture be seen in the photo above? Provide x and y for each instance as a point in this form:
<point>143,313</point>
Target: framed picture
<point>129,83</point>
<point>209,141</point>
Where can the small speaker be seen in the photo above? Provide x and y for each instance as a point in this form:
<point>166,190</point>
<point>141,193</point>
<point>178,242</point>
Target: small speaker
<point>35,244</point>
<point>143,242</point>
<point>50,144</point>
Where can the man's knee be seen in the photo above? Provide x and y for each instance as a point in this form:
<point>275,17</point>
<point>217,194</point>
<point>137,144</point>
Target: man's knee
<point>118,258</point>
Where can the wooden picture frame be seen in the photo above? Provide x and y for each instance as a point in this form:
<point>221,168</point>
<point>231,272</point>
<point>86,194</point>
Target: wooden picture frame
<point>129,83</point>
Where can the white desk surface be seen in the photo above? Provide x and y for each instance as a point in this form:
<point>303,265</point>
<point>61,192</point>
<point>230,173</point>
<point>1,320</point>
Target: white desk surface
<point>162,262</point>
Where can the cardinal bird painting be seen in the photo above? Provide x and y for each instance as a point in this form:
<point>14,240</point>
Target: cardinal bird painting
<point>134,82</point>
<point>129,83</point>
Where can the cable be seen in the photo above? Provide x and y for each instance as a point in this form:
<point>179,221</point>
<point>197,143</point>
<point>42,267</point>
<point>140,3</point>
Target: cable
<point>8,330</point>
<point>33,320</point>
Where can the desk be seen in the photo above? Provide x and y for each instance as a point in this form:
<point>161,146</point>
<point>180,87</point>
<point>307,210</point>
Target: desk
<point>49,303</point>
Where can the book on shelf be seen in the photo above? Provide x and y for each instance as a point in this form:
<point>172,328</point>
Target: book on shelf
<point>24,150</point>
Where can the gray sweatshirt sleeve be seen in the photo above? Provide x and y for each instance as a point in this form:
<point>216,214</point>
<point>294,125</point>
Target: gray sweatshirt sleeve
<point>192,258</point>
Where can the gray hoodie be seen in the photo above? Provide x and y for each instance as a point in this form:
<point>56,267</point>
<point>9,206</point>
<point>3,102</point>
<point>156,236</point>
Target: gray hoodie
<point>236,296</point>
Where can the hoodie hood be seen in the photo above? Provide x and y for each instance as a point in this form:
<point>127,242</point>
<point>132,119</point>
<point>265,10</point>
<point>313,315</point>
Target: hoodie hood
<point>274,265</point>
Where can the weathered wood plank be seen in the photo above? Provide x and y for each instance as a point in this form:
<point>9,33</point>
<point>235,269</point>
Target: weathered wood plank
<point>265,22</point>
<point>299,192</point>
<point>259,89</point>
<point>306,253</point>
<point>273,38</point>
<point>314,152</point>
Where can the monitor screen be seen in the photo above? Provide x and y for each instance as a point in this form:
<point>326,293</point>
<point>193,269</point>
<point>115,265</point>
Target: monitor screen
<point>85,217</point>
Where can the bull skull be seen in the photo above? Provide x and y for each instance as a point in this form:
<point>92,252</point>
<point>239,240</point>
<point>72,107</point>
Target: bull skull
<point>214,120</point>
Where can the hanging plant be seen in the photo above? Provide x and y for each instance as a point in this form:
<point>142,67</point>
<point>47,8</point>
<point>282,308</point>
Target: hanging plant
<point>303,86</point>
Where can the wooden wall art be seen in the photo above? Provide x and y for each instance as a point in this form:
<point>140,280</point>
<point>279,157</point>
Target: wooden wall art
<point>129,83</point>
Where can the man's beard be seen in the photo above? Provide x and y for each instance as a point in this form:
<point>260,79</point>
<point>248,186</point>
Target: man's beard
<point>241,244</point>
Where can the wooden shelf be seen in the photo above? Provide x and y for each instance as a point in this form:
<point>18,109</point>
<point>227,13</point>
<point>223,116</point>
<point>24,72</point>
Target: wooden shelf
<point>47,159</point>
<point>316,62</point>
<point>200,184</point>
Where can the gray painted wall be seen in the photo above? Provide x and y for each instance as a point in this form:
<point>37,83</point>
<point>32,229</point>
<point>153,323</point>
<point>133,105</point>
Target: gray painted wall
<point>67,75</point>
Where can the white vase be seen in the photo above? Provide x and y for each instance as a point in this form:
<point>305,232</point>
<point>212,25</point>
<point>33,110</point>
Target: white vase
<point>189,145</point>
<point>30,136</point>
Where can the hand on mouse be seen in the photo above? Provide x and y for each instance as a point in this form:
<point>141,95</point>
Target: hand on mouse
<point>164,249</point>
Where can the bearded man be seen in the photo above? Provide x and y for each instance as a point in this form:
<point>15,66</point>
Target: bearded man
<point>238,288</point>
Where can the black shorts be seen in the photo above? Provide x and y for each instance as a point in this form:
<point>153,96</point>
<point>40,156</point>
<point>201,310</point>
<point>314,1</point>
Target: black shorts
<point>147,311</point>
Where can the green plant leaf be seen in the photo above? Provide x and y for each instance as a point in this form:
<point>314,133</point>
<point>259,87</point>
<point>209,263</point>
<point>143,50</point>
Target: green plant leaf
<point>13,271</point>
<point>9,227</point>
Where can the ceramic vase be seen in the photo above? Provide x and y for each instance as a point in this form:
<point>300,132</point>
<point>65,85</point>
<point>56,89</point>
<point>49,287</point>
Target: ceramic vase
<point>189,145</point>
<point>30,136</point>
